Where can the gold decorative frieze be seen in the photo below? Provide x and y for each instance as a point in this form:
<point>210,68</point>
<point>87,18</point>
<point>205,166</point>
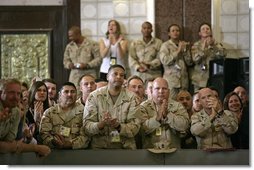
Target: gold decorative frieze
<point>25,56</point>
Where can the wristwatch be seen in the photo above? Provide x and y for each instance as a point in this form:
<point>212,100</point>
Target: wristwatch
<point>78,65</point>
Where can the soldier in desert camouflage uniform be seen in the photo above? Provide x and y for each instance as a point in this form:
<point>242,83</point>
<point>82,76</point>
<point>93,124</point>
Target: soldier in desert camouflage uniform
<point>175,57</point>
<point>164,119</point>
<point>87,85</point>
<point>203,51</point>
<point>110,114</point>
<point>61,125</point>
<point>144,55</point>
<point>213,126</point>
<point>81,55</point>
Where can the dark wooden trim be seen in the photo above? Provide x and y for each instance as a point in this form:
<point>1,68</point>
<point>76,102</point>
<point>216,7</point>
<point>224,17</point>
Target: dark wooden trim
<point>58,19</point>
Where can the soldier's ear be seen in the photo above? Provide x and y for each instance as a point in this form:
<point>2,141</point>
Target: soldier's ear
<point>107,76</point>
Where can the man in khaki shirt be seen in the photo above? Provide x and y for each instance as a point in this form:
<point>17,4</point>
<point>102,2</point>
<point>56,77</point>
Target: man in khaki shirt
<point>164,119</point>
<point>61,125</point>
<point>81,55</point>
<point>136,85</point>
<point>212,125</point>
<point>87,85</point>
<point>176,58</point>
<point>9,121</point>
<point>144,55</point>
<point>110,114</point>
<point>203,51</point>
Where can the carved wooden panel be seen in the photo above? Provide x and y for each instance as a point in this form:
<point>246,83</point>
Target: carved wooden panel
<point>186,13</point>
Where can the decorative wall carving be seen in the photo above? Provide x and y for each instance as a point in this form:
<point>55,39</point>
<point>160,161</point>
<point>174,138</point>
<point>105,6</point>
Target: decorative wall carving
<point>25,55</point>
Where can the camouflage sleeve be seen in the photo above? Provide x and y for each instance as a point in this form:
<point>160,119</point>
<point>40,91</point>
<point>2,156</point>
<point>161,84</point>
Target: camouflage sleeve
<point>156,63</point>
<point>167,57</point>
<point>150,124</point>
<point>81,141</point>
<point>197,53</point>
<point>90,116</point>
<point>229,122</point>
<point>96,61</point>
<point>178,118</point>
<point>133,58</point>
<point>132,125</point>
<point>67,59</point>
<point>46,128</point>
<point>200,125</point>
<point>15,119</point>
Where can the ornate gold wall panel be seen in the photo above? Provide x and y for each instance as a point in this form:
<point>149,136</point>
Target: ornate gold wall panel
<point>25,56</point>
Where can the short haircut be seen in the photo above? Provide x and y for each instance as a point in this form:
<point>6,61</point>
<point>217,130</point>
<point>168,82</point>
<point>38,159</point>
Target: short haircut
<point>169,27</point>
<point>204,23</point>
<point>6,82</point>
<point>134,77</point>
<point>49,80</point>
<point>75,29</point>
<point>116,66</point>
<point>147,22</point>
<point>147,81</point>
<point>68,84</point>
<point>214,89</point>
<point>85,75</point>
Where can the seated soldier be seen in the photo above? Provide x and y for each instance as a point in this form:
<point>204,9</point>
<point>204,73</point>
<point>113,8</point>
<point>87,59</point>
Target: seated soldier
<point>136,85</point>
<point>164,118</point>
<point>212,125</point>
<point>61,125</point>
<point>9,121</point>
<point>87,85</point>
<point>188,141</point>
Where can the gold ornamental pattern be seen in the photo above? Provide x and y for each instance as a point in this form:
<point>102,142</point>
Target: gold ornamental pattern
<point>24,56</point>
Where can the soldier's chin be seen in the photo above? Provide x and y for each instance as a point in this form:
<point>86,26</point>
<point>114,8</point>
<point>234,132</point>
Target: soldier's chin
<point>161,97</point>
<point>118,84</point>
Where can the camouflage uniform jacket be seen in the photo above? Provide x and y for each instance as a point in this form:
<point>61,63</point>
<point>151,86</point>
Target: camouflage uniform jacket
<point>148,53</point>
<point>54,118</point>
<point>9,127</point>
<point>176,122</point>
<point>213,134</point>
<point>175,65</point>
<point>88,52</point>
<point>125,110</point>
<point>201,59</point>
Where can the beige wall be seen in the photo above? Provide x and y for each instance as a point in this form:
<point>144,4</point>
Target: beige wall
<point>231,19</point>
<point>95,15</point>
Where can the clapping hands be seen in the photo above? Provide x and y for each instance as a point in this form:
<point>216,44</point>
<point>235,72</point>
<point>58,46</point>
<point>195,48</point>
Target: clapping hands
<point>107,120</point>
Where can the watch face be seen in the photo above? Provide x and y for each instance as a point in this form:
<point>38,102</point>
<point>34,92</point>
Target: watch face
<point>78,65</point>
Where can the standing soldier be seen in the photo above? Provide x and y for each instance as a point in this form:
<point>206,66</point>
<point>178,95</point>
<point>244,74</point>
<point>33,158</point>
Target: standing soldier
<point>203,51</point>
<point>144,55</point>
<point>81,56</point>
<point>111,114</point>
<point>175,57</point>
